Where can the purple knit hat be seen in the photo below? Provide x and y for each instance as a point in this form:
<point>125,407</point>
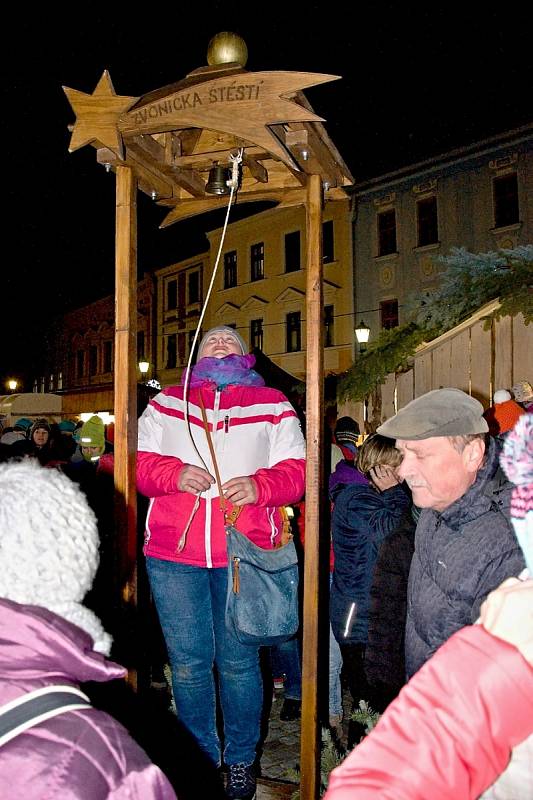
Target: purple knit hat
<point>517,462</point>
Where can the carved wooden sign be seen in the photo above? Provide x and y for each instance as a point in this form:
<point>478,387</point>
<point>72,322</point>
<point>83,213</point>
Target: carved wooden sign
<point>244,105</point>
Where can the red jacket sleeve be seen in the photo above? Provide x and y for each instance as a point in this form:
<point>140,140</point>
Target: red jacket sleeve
<point>157,475</point>
<point>282,484</point>
<point>449,733</point>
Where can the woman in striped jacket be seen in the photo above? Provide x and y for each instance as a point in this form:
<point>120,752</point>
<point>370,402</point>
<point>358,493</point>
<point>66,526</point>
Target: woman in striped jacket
<point>260,451</point>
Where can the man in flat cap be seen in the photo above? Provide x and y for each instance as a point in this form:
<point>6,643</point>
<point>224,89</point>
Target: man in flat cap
<point>465,545</point>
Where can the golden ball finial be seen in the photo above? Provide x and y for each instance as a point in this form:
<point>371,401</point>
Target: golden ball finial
<point>227,47</point>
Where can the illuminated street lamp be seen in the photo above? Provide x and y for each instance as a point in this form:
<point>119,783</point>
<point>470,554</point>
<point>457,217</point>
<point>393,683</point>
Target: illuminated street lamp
<point>12,385</point>
<point>144,366</point>
<point>362,333</point>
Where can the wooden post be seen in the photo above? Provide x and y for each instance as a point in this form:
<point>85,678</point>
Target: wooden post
<point>126,388</point>
<point>310,743</point>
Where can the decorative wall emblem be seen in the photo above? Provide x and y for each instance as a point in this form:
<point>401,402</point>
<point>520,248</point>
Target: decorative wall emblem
<point>386,276</point>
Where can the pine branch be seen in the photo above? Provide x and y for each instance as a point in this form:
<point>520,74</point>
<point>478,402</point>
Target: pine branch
<point>468,282</point>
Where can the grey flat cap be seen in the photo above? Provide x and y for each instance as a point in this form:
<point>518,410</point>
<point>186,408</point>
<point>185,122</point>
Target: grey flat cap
<point>441,412</point>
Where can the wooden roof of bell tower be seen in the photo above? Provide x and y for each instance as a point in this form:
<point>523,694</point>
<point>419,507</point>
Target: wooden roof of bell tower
<point>173,136</point>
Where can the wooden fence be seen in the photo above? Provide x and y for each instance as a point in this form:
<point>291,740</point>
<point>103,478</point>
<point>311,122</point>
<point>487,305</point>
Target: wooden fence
<point>468,357</point>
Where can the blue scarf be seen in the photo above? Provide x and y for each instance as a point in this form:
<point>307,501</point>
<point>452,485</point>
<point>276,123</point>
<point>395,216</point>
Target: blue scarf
<point>232,369</point>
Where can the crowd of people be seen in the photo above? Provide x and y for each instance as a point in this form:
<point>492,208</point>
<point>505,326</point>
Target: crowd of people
<point>430,606</point>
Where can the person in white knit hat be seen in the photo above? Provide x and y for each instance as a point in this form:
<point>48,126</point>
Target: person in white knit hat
<point>48,559</point>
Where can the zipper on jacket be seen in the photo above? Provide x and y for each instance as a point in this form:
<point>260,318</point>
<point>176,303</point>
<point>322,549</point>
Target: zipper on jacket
<point>226,423</point>
<point>236,578</point>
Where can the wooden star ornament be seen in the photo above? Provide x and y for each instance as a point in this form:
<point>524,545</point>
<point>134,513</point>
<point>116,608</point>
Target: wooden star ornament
<point>97,115</point>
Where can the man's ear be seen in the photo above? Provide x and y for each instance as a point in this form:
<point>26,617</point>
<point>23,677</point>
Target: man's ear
<point>473,454</point>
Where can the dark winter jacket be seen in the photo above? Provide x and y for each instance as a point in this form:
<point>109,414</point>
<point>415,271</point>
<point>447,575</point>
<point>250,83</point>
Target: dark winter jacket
<point>385,650</point>
<point>362,518</point>
<point>461,554</point>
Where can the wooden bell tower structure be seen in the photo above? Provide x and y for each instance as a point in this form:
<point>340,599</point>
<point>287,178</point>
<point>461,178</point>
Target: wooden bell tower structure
<point>165,144</point>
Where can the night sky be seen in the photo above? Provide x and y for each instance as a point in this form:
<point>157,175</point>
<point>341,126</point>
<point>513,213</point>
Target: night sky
<point>414,84</point>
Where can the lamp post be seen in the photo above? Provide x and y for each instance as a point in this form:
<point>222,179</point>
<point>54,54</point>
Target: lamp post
<point>362,333</point>
<point>12,385</point>
<point>144,366</point>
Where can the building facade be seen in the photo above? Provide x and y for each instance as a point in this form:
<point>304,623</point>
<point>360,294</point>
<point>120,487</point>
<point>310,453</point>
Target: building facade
<point>259,288</point>
<point>81,351</point>
<point>478,197</point>
<point>379,249</point>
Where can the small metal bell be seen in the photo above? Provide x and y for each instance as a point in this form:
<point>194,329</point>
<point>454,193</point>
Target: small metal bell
<point>217,181</point>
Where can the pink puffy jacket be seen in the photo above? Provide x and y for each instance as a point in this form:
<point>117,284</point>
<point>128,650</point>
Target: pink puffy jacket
<point>449,733</point>
<point>255,432</point>
<point>78,755</point>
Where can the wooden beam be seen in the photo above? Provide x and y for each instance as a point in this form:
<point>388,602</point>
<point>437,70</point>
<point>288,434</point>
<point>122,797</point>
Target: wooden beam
<point>310,742</point>
<point>147,151</point>
<point>191,208</point>
<point>126,387</point>
<point>257,170</point>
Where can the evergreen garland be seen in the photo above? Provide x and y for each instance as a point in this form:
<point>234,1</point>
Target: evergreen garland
<point>330,754</point>
<point>468,282</point>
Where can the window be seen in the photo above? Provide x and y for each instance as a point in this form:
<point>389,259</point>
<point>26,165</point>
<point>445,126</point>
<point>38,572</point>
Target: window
<point>257,261</point>
<point>172,295</point>
<point>140,345</point>
<point>328,246</point>
<point>172,352</point>
<point>389,314</point>
<point>80,364</point>
<point>505,200</point>
<point>427,220</point>
<point>194,287</point>
<point>292,251</point>
<point>387,232</point>
<point>108,356</point>
<point>328,326</point>
<point>230,269</point>
<point>256,333</point>
<point>93,359</point>
<point>294,332</point>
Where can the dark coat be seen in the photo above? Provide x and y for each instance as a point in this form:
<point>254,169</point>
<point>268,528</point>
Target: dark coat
<point>385,650</point>
<point>344,473</point>
<point>461,554</point>
<point>362,518</point>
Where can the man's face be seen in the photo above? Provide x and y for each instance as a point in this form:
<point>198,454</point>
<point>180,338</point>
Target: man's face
<point>436,472</point>
<point>220,345</point>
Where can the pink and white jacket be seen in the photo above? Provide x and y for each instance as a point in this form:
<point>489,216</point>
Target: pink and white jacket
<point>255,432</point>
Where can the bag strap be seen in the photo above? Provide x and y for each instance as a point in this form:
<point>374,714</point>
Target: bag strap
<point>234,513</point>
<point>35,707</point>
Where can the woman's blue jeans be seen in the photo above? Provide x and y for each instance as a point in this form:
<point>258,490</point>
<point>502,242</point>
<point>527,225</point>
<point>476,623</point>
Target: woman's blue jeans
<point>191,602</point>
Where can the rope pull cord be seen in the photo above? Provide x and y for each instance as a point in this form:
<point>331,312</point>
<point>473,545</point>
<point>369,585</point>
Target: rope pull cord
<point>231,517</point>
<point>233,184</point>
